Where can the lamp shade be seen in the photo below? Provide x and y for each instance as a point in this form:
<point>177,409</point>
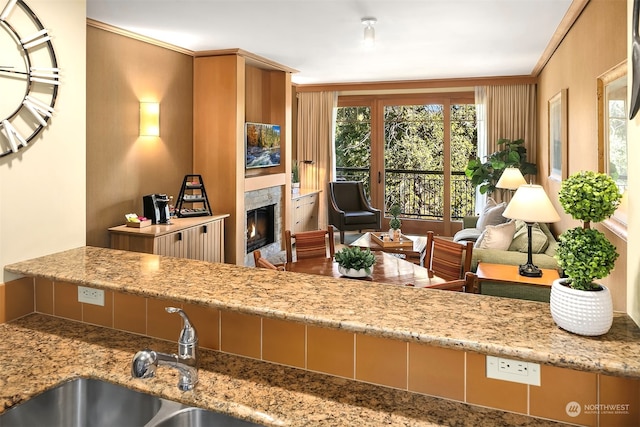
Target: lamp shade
<point>511,179</point>
<point>531,204</point>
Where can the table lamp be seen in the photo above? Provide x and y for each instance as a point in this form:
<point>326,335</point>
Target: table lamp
<point>511,179</point>
<point>531,204</point>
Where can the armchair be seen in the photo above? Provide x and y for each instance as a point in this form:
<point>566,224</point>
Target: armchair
<point>349,208</point>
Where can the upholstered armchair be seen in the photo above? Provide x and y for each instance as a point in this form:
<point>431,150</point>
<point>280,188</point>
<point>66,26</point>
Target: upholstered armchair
<point>349,208</point>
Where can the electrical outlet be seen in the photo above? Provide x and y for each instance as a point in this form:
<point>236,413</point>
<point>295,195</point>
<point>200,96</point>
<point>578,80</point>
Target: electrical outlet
<point>91,296</point>
<point>513,370</point>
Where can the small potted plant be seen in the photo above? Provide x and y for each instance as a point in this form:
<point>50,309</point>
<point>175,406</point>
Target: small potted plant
<point>355,262</point>
<point>578,304</point>
<point>295,177</point>
<point>395,223</point>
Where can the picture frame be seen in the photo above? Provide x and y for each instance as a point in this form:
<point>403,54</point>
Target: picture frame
<point>558,136</point>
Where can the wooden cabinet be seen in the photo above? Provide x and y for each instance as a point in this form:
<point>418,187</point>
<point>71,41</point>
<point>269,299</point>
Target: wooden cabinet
<point>305,211</point>
<point>194,238</point>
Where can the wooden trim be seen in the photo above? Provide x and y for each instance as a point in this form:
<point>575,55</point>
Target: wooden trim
<point>250,59</point>
<point>574,11</point>
<point>135,36</point>
<point>417,85</point>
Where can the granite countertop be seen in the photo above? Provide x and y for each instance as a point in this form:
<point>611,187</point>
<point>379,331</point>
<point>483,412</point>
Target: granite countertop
<point>489,325</point>
<point>38,352</point>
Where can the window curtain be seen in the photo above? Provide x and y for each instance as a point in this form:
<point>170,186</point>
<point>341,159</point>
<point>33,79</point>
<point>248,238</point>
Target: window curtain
<point>315,141</point>
<point>509,112</point>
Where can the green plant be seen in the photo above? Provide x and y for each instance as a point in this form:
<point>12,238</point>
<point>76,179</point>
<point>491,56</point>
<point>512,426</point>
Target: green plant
<point>585,254</point>
<point>295,174</point>
<point>486,174</point>
<point>394,222</point>
<point>355,258</point>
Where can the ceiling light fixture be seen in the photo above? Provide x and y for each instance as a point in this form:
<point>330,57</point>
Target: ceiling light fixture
<point>369,31</point>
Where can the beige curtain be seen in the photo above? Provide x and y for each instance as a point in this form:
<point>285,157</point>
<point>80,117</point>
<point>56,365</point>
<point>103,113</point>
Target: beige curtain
<point>510,112</point>
<point>316,117</point>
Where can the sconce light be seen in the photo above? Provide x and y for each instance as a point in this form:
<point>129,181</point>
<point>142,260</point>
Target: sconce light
<point>369,31</point>
<point>149,119</point>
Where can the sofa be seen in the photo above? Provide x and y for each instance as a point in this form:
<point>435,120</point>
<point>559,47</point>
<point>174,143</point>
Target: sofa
<point>499,240</point>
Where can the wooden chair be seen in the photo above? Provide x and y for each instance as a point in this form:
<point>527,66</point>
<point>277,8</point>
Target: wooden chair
<point>263,262</point>
<point>310,244</point>
<point>469,284</point>
<point>447,259</point>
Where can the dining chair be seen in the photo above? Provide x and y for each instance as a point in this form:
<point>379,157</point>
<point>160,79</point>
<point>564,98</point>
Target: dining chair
<point>310,244</point>
<point>263,262</point>
<point>468,285</point>
<point>447,259</point>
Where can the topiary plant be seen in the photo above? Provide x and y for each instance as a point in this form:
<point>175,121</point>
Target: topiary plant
<point>355,258</point>
<point>394,222</point>
<point>585,254</point>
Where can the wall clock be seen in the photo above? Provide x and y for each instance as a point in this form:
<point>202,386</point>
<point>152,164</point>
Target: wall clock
<point>29,77</point>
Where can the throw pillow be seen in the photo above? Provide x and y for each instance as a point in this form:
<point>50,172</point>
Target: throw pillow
<point>520,243</point>
<point>491,214</point>
<point>497,236</point>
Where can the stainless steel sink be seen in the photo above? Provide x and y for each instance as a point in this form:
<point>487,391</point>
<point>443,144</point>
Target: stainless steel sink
<point>196,417</point>
<point>94,403</point>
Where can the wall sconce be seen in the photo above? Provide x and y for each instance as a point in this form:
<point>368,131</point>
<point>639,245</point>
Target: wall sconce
<point>149,119</point>
<point>369,31</point>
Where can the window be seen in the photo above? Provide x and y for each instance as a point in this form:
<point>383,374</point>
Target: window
<point>612,136</point>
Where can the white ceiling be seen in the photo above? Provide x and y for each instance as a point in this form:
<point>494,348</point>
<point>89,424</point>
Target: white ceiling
<point>415,39</point>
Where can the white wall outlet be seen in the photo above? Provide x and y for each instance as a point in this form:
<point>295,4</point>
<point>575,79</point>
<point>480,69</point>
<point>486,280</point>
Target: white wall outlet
<point>513,370</point>
<point>91,296</point>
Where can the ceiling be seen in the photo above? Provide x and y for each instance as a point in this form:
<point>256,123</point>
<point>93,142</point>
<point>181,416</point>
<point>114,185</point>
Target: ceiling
<point>323,39</point>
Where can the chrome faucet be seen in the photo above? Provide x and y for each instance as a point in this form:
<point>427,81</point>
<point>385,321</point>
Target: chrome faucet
<point>145,362</point>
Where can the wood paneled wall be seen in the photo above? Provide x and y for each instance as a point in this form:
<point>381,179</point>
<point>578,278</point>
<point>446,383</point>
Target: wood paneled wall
<point>121,166</point>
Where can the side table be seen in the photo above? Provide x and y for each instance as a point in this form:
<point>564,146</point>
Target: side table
<point>504,281</point>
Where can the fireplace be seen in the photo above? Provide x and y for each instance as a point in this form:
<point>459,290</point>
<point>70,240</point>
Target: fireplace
<point>260,227</point>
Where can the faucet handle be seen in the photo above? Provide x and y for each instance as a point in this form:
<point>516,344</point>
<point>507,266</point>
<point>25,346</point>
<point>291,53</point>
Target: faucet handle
<point>188,335</point>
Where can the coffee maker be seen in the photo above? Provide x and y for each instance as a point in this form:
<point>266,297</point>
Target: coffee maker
<point>156,208</point>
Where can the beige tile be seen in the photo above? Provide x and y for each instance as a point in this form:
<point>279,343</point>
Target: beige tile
<point>65,301</point>
<point>330,351</point>
<point>20,298</point>
<point>44,295</point>
<point>560,387</point>
<point>505,395</point>
<point>283,342</point>
<point>129,313</point>
<point>240,334</point>
<point>97,314</point>
<point>161,324</point>
<point>622,395</point>
<point>381,361</point>
<point>206,322</point>
<point>436,371</point>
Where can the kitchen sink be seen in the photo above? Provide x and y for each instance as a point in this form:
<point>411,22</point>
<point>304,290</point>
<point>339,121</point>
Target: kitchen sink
<point>94,403</point>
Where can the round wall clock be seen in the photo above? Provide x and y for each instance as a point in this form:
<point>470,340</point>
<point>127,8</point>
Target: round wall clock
<point>29,76</point>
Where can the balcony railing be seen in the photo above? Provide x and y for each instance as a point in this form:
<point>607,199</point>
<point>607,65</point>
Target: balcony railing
<point>420,194</point>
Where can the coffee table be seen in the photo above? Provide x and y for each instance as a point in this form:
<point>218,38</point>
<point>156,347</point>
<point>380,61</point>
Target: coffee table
<point>505,281</point>
<point>414,254</point>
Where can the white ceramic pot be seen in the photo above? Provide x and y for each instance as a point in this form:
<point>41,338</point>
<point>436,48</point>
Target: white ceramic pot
<point>350,272</point>
<point>587,313</point>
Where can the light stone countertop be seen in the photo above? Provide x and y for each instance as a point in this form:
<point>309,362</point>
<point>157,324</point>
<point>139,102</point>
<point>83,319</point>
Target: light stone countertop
<point>484,324</point>
<point>38,352</point>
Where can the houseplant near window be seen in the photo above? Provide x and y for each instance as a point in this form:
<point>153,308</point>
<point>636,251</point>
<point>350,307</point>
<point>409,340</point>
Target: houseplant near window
<point>578,304</point>
<point>486,174</point>
<point>355,262</point>
<point>395,223</point>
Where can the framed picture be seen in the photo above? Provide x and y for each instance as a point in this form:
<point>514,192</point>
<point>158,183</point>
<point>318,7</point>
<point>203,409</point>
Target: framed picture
<point>558,136</point>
